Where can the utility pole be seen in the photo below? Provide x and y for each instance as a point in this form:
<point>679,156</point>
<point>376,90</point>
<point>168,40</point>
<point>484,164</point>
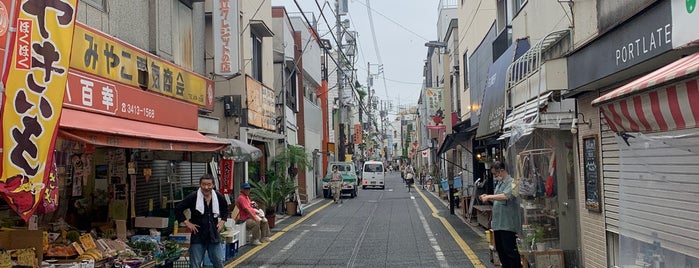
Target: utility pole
<point>341,63</point>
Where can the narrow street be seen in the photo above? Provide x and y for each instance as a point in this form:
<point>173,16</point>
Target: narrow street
<point>379,228</point>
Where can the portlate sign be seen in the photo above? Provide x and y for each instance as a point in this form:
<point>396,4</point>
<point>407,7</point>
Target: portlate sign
<point>34,96</point>
<point>225,30</point>
<point>97,53</point>
<point>94,94</point>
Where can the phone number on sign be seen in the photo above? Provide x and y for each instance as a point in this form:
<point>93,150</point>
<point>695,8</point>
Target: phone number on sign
<point>138,110</point>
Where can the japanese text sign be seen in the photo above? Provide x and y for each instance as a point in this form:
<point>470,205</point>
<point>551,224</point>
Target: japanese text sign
<point>226,180</point>
<point>91,93</point>
<point>260,103</point>
<point>97,53</point>
<point>226,37</point>
<point>34,95</point>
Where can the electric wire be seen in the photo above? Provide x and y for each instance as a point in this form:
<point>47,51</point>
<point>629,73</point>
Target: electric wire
<point>394,22</point>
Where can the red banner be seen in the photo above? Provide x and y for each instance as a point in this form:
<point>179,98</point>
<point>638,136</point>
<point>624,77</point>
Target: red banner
<point>226,176</point>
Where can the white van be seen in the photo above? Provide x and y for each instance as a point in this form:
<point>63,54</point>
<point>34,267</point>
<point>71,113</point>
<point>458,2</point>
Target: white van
<point>373,174</point>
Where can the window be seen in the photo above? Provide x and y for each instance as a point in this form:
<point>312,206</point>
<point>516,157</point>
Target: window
<point>502,18</point>
<point>256,61</point>
<point>517,5</point>
<point>373,168</point>
<point>291,96</point>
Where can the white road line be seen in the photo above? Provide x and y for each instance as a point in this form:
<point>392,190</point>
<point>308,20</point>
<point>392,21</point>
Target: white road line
<point>428,231</point>
<point>284,249</point>
<point>362,235</point>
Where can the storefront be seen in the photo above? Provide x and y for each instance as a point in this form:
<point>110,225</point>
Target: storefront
<point>121,153</point>
<point>658,35</point>
<point>540,152</point>
<point>656,119</point>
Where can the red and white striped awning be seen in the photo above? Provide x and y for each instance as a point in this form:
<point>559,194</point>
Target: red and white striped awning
<point>664,100</point>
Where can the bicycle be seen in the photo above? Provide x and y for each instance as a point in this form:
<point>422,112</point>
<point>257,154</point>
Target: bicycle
<point>409,180</point>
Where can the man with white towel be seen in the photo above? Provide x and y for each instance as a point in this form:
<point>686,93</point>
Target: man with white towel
<point>209,211</point>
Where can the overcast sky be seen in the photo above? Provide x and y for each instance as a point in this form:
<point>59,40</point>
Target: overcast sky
<point>401,29</point>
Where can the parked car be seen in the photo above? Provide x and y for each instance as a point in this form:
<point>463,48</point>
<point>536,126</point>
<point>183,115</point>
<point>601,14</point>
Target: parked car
<point>349,176</point>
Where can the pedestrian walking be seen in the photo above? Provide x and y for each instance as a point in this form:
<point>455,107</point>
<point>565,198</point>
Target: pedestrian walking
<point>505,220</point>
<point>209,212</point>
<point>336,184</point>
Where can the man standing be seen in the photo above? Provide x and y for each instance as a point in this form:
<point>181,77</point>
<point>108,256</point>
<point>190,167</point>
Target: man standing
<point>506,221</point>
<point>336,184</point>
<point>209,211</point>
<point>253,222</point>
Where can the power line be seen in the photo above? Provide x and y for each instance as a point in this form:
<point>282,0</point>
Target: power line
<point>394,22</point>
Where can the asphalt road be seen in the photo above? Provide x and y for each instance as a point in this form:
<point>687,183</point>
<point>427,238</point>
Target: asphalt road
<point>378,228</point>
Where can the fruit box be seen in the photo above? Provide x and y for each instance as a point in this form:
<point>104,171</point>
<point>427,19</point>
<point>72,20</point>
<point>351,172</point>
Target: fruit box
<point>18,239</point>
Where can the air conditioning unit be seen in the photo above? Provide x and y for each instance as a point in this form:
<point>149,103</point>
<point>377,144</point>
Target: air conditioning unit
<point>232,105</point>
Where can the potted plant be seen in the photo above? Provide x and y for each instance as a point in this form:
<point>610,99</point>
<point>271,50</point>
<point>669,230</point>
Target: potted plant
<point>293,159</point>
<point>535,239</point>
<point>271,193</point>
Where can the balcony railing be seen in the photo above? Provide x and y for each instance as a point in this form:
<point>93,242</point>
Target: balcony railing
<point>531,61</point>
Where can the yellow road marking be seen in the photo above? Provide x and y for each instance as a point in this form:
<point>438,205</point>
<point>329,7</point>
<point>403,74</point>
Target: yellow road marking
<point>254,250</point>
<point>462,244</point>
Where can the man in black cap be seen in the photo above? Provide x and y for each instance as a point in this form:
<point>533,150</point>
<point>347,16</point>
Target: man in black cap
<point>253,223</point>
<point>209,210</point>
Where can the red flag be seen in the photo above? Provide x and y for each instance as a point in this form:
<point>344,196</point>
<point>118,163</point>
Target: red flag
<point>226,176</point>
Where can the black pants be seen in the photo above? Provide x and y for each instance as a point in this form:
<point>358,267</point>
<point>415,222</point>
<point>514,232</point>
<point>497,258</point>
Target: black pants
<point>506,245</point>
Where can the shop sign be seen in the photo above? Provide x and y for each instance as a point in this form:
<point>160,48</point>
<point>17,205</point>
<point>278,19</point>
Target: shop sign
<point>226,37</point>
<point>261,110</point>
<point>90,93</point>
<point>97,53</point>
<point>684,18</point>
<point>34,95</point>
<point>357,133</point>
<point>647,35</point>
<point>435,108</point>
<point>226,176</point>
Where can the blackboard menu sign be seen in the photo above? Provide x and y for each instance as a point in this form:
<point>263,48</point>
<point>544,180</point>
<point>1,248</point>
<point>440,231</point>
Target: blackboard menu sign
<point>591,168</point>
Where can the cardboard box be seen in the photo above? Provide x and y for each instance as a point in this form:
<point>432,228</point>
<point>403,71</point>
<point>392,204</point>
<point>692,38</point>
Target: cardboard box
<point>19,239</point>
<point>151,222</point>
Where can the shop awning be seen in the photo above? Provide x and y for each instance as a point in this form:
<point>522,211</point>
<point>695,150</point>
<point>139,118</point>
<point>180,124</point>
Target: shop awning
<point>493,104</point>
<point>453,140</point>
<point>521,121</point>
<point>105,130</point>
<point>664,100</point>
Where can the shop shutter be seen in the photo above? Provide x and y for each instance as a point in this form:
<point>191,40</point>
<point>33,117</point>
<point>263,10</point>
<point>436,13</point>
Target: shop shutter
<point>151,189</point>
<point>186,175</point>
<point>189,173</point>
<point>659,190</point>
<point>610,177</point>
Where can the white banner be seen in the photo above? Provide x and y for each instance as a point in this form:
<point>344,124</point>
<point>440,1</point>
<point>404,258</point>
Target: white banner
<point>226,37</point>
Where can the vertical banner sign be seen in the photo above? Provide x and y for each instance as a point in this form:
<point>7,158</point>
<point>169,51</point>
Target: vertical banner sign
<point>435,108</point>
<point>34,95</point>
<point>225,20</point>
<point>226,176</point>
